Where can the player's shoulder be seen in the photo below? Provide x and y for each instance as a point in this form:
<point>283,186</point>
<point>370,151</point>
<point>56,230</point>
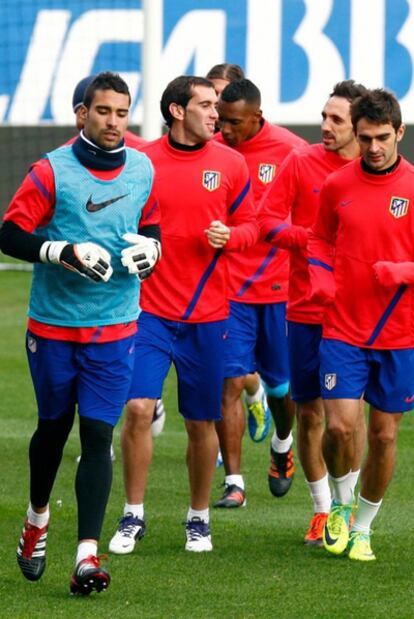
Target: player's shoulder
<point>345,174</point>
<point>151,145</point>
<point>223,152</point>
<point>407,166</point>
<point>285,135</point>
<point>42,167</point>
<point>311,151</point>
<point>139,160</point>
<point>134,141</point>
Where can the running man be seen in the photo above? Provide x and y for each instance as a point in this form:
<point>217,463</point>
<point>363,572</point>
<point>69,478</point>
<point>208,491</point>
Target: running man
<point>208,213</point>
<point>295,197</point>
<point>69,218</point>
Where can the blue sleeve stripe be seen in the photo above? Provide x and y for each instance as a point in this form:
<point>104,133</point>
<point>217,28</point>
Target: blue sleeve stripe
<point>201,285</point>
<point>258,273</point>
<point>274,231</point>
<point>386,314</point>
<point>39,185</point>
<point>151,211</point>
<point>320,263</point>
<point>240,198</point>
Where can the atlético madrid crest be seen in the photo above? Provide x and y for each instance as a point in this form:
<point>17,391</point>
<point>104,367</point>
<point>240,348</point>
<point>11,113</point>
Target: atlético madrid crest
<point>211,180</point>
<point>399,207</point>
<point>267,172</point>
<point>330,381</point>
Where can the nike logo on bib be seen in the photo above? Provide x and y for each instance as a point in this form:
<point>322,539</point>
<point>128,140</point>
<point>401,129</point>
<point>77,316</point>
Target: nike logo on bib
<point>92,207</point>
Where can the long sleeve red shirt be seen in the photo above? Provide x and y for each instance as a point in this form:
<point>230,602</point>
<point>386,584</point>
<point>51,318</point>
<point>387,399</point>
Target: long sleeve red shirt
<point>365,218</point>
<point>195,188</point>
<point>260,274</point>
<point>293,200</point>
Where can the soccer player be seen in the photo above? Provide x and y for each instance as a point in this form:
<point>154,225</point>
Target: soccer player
<point>366,222</point>
<point>258,295</point>
<point>295,195</point>
<point>208,213</point>
<point>69,218</point>
<point>133,141</point>
<point>223,74</point>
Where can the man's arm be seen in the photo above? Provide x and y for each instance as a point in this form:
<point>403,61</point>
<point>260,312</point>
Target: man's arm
<point>241,229</point>
<point>394,273</point>
<point>32,206</point>
<point>275,209</point>
<point>321,252</point>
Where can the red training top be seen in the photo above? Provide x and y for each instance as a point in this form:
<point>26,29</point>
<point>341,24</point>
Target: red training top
<point>365,218</point>
<point>260,275</point>
<point>296,194</point>
<point>195,188</point>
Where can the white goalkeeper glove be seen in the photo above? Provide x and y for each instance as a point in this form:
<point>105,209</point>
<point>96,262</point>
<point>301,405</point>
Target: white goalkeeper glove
<point>141,258</point>
<point>87,259</point>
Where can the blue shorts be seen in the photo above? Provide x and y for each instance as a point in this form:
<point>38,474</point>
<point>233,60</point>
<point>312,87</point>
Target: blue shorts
<point>257,342</point>
<point>197,352</point>
<point>96,377</point>
<point>303,342</point>
<point>384,377</point>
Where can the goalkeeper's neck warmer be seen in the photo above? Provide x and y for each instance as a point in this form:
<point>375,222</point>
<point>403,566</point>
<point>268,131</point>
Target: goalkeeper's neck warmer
<point>92,156</point>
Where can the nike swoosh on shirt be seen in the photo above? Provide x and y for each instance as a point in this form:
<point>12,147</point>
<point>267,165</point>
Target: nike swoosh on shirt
<point>409,399</point>
<point>345,202</point>
<point>92,207</point>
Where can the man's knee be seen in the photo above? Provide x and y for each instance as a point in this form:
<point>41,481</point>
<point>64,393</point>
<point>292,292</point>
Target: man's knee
<point>232,390</point>
<point>139,413</point>
<point>383,431</point>
<point>339,430</point>
<point>199,431</point>
<point>310,416</point>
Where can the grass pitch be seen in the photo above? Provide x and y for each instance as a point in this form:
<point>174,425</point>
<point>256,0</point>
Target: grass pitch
<point>259,567</point>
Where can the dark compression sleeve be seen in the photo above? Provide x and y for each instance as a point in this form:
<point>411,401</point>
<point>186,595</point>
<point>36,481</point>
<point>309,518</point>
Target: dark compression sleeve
<point>16,242</point>
<point>152,232</point>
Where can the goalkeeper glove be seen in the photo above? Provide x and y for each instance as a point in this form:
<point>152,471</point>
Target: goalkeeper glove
<point>141,258</point>
<point>394,273</point>
<point>87,259</point>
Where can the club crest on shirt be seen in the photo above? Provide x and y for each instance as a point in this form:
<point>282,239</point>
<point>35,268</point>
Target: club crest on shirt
<point>267,172</point>
<point>399,207</point>
<point>211,180</point>
<point>330,381</point>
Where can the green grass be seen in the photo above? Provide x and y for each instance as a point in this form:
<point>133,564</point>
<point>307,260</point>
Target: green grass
<point>259,567</point>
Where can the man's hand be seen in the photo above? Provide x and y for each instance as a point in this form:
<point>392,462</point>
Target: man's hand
<point>217,234</point>
<point>394,273</point>
<point>141,258</point>
<point>87,259</point>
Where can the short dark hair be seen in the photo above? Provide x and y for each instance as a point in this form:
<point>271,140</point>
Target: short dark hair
<point>105,81</point>
<point>348,89</point>
<point>241,90</point>
<point>379,106</point>
<point>180,91</point>
<point>226,71</point>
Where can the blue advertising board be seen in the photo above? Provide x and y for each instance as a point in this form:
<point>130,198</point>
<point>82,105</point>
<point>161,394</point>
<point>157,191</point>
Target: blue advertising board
<point>294,50</point>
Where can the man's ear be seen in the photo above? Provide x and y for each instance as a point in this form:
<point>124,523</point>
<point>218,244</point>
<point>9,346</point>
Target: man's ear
<point>177,111</point>
<point>83,113</point>
<point>400,132</point>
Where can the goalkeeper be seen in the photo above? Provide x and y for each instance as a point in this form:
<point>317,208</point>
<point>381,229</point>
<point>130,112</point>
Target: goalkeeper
<point>76,217</point>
